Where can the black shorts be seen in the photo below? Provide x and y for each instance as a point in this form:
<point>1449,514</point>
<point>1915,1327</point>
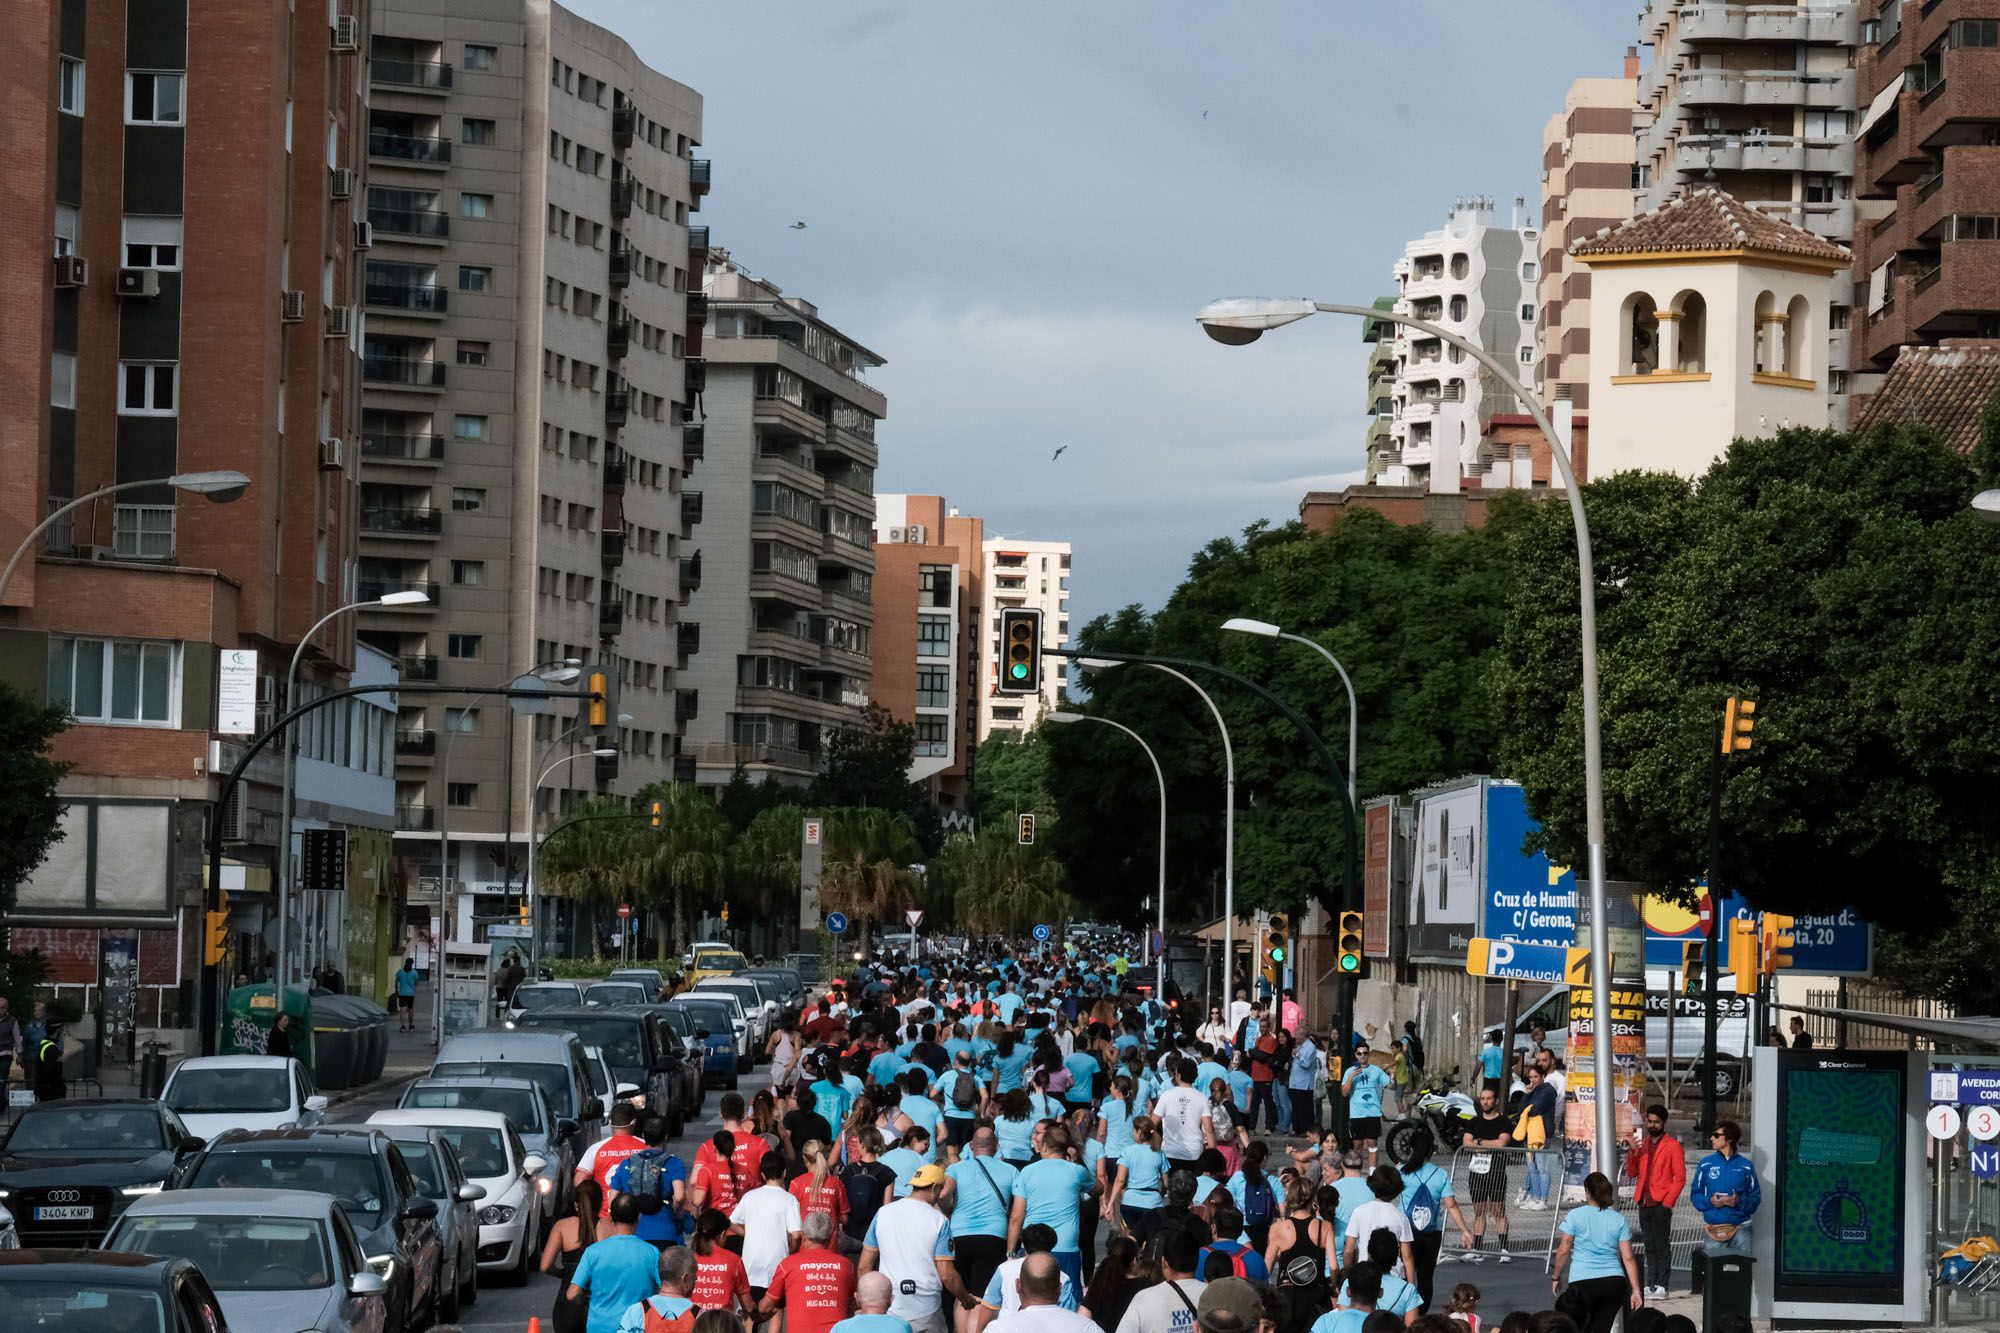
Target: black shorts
<point>1491,1185</point>
<point>1365,1127</point>
<point>406,1001</point>
<point>977,1257</point>
<point>958,1130</point>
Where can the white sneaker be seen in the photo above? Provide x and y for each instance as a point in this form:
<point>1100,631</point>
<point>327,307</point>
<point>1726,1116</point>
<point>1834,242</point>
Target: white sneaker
<point>1473,1257</point>
<point>1506,1258</point>
<point>1659,1291</point>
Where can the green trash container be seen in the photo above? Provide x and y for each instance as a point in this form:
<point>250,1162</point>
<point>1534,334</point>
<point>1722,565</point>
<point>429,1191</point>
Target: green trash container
<point>249,1012</point>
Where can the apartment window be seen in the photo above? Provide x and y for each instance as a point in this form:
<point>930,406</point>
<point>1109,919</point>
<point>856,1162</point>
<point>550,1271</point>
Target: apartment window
<point>933,636</point>
<point>468,499</point>
<point>472,353</point>
<point>468,427</point>
<point>1528,270</point>
<point>153,242</point>
<point>62,379</point>
<point>457,720</point>
<point>480,57</point>
<point>475,205</point>
<point>153,97</point>
<point>463,647</point>
<point>133,682</point>
<point>474,278</point>
<point>461,795</point>
<point>68,225</point>
<point>469,573</point>
<point>933,689</point>
<point>69,85</point>
<point>1836,316</point>
<point>1527,356</point>
<point>933,732</point>
<point>475,131</point>
<point>147,388</point>
<point>1527,312</point>
<point>1965,32</point>
<point>1827,124</point>
<point>1821,188</point>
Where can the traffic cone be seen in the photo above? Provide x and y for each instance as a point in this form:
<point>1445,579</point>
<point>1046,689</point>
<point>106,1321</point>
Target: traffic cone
<point>534,1323</point>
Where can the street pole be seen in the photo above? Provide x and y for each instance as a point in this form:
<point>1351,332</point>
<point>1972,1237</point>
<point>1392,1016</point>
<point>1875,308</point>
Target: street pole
<point>1237,322</point>
<point>220,487</point>
<point>1160,894</point>
<point>1712,964</point>
<point>530,888</point>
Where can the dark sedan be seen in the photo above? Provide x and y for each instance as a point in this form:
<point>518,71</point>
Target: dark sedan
<point>89,1291</point>
<point>640,1048</point>
<point>68,1169</point>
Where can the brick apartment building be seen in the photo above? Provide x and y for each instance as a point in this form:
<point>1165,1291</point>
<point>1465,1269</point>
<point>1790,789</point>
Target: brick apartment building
<point>928,599</point>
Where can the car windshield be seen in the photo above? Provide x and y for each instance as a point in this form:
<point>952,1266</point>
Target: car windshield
<point>716,960</point>
<point>425,1168</point>
<point>619,992</point>
<point>480,1151</point>
<point>519,1105</point>
<point>63,1307</point>
<point>620,1038</point>
<point>73,1128</point>
<point>353,1178</point>
<point>553,1079</point>
<point>677,1019</point>
<point>214,1091</point>
<point>553,997</point>
<point>715,1017</point>
<point>236,1253</point>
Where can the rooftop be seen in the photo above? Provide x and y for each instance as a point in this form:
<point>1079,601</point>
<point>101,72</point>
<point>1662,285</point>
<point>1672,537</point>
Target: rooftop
<point>1709,220</point>
<point>1946,388</point>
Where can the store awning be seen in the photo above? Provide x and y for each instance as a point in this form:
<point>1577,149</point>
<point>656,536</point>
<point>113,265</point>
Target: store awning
<point>1880,107</point>
<point>1212,933</point>
<point>240,877</point>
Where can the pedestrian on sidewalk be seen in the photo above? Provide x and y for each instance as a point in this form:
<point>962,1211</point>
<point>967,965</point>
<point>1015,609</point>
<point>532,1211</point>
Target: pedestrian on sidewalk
<point>406,994</point>
<point>280,1040</point>
<point>1534,1131</point>
<point>1486,1172</point>
<point>1657,1165</point>
<point>1306,1070</point>
<point>1726,1192</point>
<point>1493,1064</point>
<point>1362,1087</point>
<point>1604,1277</point>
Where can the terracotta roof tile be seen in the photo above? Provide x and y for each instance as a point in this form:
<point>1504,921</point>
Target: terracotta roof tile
<point>1708,219</point>
<point>1946,388</point>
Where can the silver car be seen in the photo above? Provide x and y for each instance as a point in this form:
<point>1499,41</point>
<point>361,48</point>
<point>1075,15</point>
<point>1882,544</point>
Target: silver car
<point>277,1259</point>
<point>441,1177</point>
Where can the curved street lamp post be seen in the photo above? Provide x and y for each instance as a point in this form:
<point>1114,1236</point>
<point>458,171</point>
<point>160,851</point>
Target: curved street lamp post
<point>1159,981</point>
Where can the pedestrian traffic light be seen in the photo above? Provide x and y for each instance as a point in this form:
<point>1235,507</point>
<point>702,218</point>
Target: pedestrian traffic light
<point>1777,942</point>
<point>1349,960</point>
<point>658,807</point>
<point>1694,961</point>
<point>597,708</point>
<point>1020,650</point>
<point>1026,835</point>
<point>1738,721</point>
<point>1743,962</point>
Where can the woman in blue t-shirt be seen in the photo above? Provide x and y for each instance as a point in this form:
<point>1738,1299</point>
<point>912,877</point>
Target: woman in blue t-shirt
<point>1008,1062</point>
<point>1427,1196</point>
<point>1135,1185</point>
<point>1015,1128</point>
<point>1114,1121</point>
<point>1597,1246</point>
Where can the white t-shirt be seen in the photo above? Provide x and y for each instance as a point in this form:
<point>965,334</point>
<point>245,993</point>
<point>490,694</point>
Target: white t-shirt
<point>1043,1319</point>
<point>1558,1080</point>
<point>1373,1216</point>
<point>1007,1277</point>
<point>1158,1310</point>
<point>1180,1111</point>
<point>769,1215</point>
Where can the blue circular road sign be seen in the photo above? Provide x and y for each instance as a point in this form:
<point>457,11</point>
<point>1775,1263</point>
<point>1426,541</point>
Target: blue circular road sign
<point>837,922</point>
<point>1042,934</point>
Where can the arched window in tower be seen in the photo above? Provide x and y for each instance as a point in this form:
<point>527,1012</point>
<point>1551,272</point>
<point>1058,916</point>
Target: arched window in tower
<point>1798,339</point>
<point>1766,356</point>
<point>1691,353</point>
<point>1642,335</point>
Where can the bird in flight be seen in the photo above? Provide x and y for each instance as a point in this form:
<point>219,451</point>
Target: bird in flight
<point>798,226</point>
<point>1058,453</point>
<point>1204,115</point>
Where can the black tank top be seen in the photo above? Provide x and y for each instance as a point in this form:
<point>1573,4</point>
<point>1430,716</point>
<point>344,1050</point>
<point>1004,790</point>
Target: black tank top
<point>1303,1262</point>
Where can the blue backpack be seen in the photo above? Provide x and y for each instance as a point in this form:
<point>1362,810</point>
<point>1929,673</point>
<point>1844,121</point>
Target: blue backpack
<point>1423,1207</point>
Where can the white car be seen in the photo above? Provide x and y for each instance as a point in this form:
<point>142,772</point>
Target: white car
<point>212,1093</point>
<point>751,1001</point>
<point>544,995</point>
<point>490,1152</point>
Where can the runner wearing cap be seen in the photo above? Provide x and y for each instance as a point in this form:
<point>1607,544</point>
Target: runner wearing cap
<point>910,1241</point>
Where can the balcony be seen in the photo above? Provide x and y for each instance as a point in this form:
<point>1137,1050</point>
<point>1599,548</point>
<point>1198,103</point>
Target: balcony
<point>698,176</point>
<point>412,75</point>
<point>423,150</point>
<point>400,522</point>
<point>611,547</point>
<point>697,307</point>
<point>729,755</point>
<point>1710,87</point>
<point>618,333</point>
<point>406,296</point>
<point>418,667</point>
<point>429,224</point>
<point>1958,298</point>
<point>690,508</point>
<point>687,705</point>
<point>621,266</point>
<point>1967,185</point>
<point>369,590</point>
<point>419,742</point>
<point>610,620</point>
<point>696,378</point>
<point>1892,153</point>
<point>617,406</point>
<point>697,242</point>
<point>1959,110</point>
<point>614,476</point>
<point>415,819</point>
<point>624,124</point>
<point>399,373</point>
<point>687,638</point>
<point>622,190</point>
<point>403,448</point>
<point>694,443</point>
<point>691,573</point>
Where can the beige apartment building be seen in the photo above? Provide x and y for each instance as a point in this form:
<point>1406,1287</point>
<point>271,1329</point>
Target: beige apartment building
<point>1587,183</point>
<point>530,356</point>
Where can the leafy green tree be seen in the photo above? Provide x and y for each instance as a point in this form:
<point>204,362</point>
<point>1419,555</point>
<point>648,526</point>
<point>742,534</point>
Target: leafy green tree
<point>993,883</point>
<point>764,861</point>
<point>30,809</point>
<point>865,868</point>
<point>1012,774</point>
<point>593,857</point>
<point>685,863</point>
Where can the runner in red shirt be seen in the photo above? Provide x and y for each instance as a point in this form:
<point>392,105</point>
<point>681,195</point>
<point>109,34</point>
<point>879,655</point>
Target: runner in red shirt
<point>819,1190</point>
<point>603,1156</point>
<point>719,1280</point>
<point>815,1287</point>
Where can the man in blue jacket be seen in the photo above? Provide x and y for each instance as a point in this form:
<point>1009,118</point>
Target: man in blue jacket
<point>1725,1191</point>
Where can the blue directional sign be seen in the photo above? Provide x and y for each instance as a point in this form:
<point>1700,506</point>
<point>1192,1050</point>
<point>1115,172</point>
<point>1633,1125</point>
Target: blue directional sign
<point>1965,1087</point>
<point>1042,934</point>
<point>1523,962</point>
<point>1834,945</point>
<point>837,922</point>
<point>1985,1162</point>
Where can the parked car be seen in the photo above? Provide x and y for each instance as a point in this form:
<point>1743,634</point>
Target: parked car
<point>434,1165</point>
<point>276,1259</point>
<point>757,1021</point>
<point>640,1049</point>
<point>91,1290</point>
<point>610,993</point>
<point>547,1137</point>
<point>532,995</point>
<point>810,967</point>
<point>366,1175</point>
<point>551,1057</point>
<point>654,980</point>
<point>713,961</point>
<point>212,1093</point>
<point>694,1053</point>
<point>791,986</point>
<point>495,1157</point>
<point>718,1025</point>
<point>68,1169</point>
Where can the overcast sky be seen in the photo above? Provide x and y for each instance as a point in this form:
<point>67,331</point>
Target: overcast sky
<point>1021,205</point>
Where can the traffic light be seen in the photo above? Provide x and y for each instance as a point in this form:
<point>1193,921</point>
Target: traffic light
<point>1026,835</point>
<point>1349,960</point>
<point>1694,962</point>
<point>215,940</point>
<point>1020,651</point>
<point>597,708</point>
<point>1738,721</point>
<point>1743,969</point>
<point>1274,941</point>
<point>1777,942</point>
<point>658,807</point>
<point>524,911</point>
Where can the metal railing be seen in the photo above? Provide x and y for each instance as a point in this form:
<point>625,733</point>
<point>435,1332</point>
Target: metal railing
<point>397,370</point>
<point>428,300</point>
<point>432,223</point>
<point>409,73</point>
<point>415,448</point>
<point>388,518</point>
<point>429,149</point>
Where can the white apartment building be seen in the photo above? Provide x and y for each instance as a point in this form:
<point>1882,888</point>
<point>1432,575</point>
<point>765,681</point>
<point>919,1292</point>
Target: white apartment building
<point>1035,575</point>
<point>1477,279</point>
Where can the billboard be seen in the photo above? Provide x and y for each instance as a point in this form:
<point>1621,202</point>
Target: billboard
<point>1837,944</point>
<point>1377,839</point>
<point>1839,1178</point>
<point>1526,899</point>
<point>1444,891</point>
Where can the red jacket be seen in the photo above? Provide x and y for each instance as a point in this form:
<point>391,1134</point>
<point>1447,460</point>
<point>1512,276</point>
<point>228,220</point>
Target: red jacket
<point>1660,1168</point>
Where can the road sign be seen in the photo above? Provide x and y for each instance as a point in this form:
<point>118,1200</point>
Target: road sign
<point>914,917</point>
<point>1838,944</point>
<point>1706,916</point>
<point>1522,962</point>
<point>1965,1087</point>
<point>1942,1122</point>
<point>624,910</point>
<point>1983,1123</point>
<point>836,922</point>
<point>1985,1162</point>
<point>1042,934</point>
<point>812,832</point>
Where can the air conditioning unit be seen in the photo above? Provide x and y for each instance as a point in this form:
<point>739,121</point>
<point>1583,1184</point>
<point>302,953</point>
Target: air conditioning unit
<point>72,271</point>
<point>364,236</point>
<point>292,307</point>
<point>896,536</point>
<point>339,321</point>
<point>230,814</point>
<point>342,186</point>
<point>138,283</point>
<point>330,456</point>
<point>92,552</point>
<point>346,33</point>
<point>918,532</point>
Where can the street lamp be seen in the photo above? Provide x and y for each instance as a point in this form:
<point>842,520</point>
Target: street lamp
<point>1159,777</point>
<point>533,888</point>
<point>1265,629</point>
<point>220,487</point>
<point>1986,504</point>
<point>1228,818</point>
<point>411,597</point>
<point>1244,320</point>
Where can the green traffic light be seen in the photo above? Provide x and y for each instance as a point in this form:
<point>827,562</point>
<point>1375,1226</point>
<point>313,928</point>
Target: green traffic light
<point>1019,670</point>
<point>1277,955</point>
<point>1349,963</point>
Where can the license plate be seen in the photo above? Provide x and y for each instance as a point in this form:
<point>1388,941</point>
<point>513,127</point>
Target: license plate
<point>68,1212</point>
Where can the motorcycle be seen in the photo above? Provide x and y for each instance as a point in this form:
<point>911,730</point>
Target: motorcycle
<point>1441,1109</point>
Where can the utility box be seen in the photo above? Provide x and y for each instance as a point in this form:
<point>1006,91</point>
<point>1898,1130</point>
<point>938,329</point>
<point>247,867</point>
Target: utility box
<point>1726,1282</point>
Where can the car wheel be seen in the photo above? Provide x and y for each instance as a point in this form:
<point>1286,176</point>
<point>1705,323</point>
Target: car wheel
<point>444,1306</point>
<point>1725,1081</point>
<point>517,1276</point>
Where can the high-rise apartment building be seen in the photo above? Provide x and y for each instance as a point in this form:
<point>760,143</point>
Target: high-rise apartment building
<point>1758,101</point>
<point>1587,181</point>
<point>1477,279</point>
<point>1380,335</point>
<point>1928,149</point>
<point>930,592</point>
<point>180,281</point>
<point>531,354</point>
<point>778,620</point>
<point>1032,575</point>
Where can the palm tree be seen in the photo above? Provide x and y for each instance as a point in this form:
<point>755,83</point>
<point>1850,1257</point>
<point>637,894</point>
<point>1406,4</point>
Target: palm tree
<point>764,862</point>
<point>685,858</point>
<point>995,884</point>
<point>866,868</point>
<point>592,857</point>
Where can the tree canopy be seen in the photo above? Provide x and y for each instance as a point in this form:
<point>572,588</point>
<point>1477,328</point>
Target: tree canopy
<point>30,809</point>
